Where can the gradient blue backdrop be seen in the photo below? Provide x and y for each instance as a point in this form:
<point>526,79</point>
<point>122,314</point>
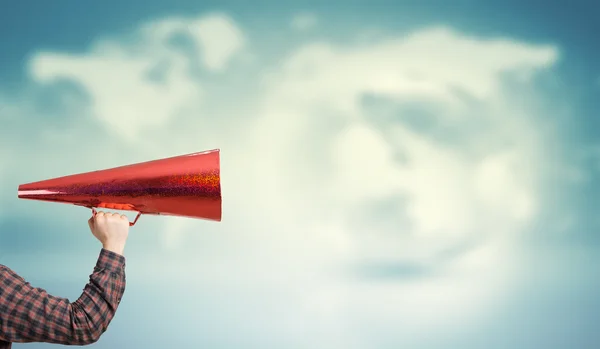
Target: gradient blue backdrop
<point>169,302</point>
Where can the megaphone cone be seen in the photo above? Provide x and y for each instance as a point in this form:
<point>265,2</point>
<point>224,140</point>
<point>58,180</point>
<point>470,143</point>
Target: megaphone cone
<point>186,185</point>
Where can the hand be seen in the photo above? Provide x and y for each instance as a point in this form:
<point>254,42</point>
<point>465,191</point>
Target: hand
<point>111,229</point>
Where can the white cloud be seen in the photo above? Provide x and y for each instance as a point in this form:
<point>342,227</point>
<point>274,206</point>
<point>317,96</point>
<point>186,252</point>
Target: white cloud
<point>448,188</point>
<point>306,159</point>
<point>221,39</point>
<point>122,98</point>
<point>216,35</point>
<point>125,96</point>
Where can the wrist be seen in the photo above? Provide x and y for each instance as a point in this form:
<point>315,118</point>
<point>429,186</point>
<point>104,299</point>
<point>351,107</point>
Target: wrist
<point>116,248</point>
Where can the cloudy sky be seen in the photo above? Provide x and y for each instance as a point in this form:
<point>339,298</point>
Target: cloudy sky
<point>394,175</point>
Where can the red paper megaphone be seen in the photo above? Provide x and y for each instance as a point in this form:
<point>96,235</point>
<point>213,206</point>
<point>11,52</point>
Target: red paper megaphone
<point>186,185</point>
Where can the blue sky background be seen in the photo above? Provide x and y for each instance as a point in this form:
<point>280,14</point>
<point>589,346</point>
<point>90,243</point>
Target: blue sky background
<point>395,174</point>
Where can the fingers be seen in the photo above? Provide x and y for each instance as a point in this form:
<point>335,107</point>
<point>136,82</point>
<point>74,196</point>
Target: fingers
<point>102,214</point>
<point>107,214</point>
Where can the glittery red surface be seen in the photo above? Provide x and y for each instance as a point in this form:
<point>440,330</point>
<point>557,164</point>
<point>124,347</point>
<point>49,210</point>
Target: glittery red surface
<point>186,185</point>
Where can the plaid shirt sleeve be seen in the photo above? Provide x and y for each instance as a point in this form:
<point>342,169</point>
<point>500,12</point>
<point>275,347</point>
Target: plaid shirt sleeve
<point>29,314</point>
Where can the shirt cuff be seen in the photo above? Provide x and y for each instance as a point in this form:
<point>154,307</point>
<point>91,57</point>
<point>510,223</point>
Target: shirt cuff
<point>111,261</point>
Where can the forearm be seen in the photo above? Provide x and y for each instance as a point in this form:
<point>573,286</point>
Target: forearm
<point>97,305</point>
<point>32,315</point>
